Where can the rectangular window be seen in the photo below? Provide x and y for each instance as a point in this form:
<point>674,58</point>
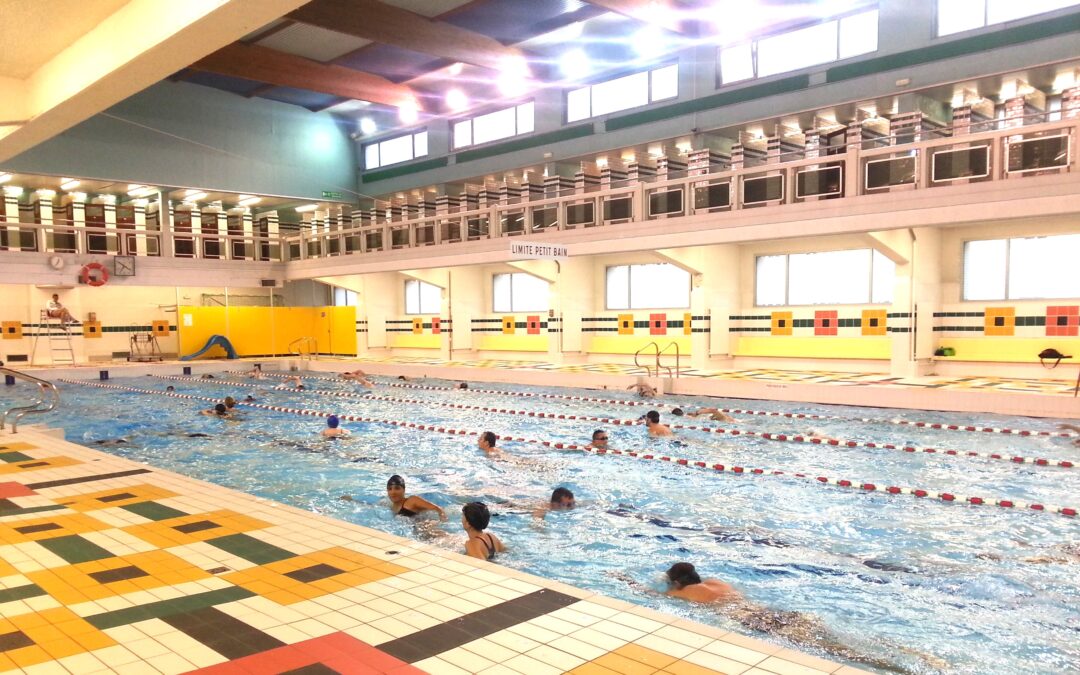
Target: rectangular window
<point>623,93</point>
<point>344,297</point>
<point>854,277</point>
<point>396,150</point>
<point>495,126</point>
<point>1021,269</point>
<point>828,41</point>
<point>422,298</point>
<point>649,286</point>
<point>519,292</point>
<point>955,16</point>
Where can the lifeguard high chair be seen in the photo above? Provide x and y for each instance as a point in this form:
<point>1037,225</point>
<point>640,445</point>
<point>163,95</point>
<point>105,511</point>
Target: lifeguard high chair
<point>58,334</point>
<point>144,347</point>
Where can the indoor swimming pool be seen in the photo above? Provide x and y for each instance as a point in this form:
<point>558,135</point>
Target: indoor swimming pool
<point>985,588</point>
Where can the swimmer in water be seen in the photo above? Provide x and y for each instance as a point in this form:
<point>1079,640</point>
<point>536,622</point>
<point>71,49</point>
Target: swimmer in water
<point>462,385</point>
<point>217,411</point>
<point>295,382</point>
<point>333,428</point>
<point>643,390</point>
<point>474,520</point>
<point>1073,428</point>
<point>360,377</point>
<point>230,403</point>
<point>110,442</point>
<point>652,422</point>
<point>599,440</point>
<point>256,373</point>
<point>170,388</point>
<point>207,376</point>
<point>408,506</point>
<point>714,414</point>
<point>562,499</point>
<point>487,441</point>
<point>249,399</point>
<point>684,583</point>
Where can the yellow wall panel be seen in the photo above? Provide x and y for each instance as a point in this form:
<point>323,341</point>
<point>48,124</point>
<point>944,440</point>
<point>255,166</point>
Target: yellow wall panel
<point>1017,350</point>
<point>817,347</point>
<point>265,330</point>
<point>511,343</point>
<point>204,322</point>
<point>408,340</point>
<point>628,344</point>
<point>338,326</point>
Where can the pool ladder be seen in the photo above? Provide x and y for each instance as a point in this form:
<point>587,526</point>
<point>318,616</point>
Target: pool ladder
<point>305,347</point>
<point>48,396</point>
<point>654,370</point>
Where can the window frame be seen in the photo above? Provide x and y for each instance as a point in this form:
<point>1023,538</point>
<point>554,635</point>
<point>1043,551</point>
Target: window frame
<point>378,144</point>
<point>986,23</point>
<point>837,19</point>
<point>787,280</point>
<point>630,283</point>
<point>513,309</point>
<point>419,298</point>
<point>471,119</point>
<point>1007,271</point>
<point>588,86</point>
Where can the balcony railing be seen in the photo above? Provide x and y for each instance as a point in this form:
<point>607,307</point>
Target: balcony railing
<point>862,167</point>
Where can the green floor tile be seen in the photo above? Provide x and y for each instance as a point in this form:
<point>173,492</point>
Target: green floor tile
<point>20,510</point>
<point>74,549</point>
<point>153,510</point>
<point>251,549</point>
<point>20,593</point>
<point>156,610</point>
<point>13,457</point>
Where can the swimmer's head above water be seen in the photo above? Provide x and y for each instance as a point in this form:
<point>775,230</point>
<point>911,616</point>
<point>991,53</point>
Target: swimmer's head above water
<point>333,422</point>
<point>683,574</point>
<point>562,499</point>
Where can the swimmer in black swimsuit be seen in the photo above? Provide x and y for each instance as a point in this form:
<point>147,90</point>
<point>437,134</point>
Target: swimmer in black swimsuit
<point>408,506</point>
<point>474,520</point>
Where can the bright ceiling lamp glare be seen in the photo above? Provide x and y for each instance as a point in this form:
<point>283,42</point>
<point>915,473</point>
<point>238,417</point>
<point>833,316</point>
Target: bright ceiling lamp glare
<point>68,183</point>
<point>136,190</point>
<point>574,64</point>
<point>455,69</point>
<point>456,100</point>
<point>306,208</point>
<point>248,200</point>
<point>408,112</point>
<point>649,42</point>
<point>513,77</point>
<point>368,126</point>
<point>4,177</point>
<point>194,195</point>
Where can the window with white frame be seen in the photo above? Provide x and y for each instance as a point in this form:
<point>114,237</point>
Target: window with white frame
<point>1021,268</point>
<point>648,286</point>
<point>854,277</point>
<point>396,150</point>
<point>519,292</point>
<point>824,42</point>
<point>343,297</point>
<point>623,93</point>
<point>956,16</point>
<point>494,126</point>
<point>422,297</point>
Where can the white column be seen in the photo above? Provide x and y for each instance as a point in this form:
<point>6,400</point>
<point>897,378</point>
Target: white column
<point>11,215</point>
<point>43,201</point>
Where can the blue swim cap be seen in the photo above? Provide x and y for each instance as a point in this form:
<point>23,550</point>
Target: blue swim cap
<point>333,421</point>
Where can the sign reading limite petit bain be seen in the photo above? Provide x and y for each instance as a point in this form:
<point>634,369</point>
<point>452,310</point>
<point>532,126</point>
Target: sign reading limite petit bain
<point>524,249</point>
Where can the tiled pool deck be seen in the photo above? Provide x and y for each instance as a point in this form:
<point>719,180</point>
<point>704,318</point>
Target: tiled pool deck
<point>107,565</point>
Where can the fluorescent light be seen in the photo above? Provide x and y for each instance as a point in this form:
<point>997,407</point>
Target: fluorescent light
<point>4,177</point>
<point>513,76</point>
<point>368,126</point>
<point>574,64</point>
<point>456,100</point>
<point>306,207</point>
<point>194,195</point>
<point>408,112</point>
<point>455,69</point>
<point>12,191</point>
<point>46,193</point>
<point>248,201</point>
<point>139,190</point>
<point>649,41</point>
<point>68,183</point>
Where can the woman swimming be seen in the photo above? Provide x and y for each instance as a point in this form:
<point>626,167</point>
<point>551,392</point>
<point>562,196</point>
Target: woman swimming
<point>408,506</point>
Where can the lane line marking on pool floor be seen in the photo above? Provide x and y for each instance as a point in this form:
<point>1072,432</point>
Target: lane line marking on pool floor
<point>737,411</point>
<point>715,468</point>
<point>767,435</point>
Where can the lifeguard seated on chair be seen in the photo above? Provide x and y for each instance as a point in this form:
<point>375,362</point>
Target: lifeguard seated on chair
<point>54,310</point>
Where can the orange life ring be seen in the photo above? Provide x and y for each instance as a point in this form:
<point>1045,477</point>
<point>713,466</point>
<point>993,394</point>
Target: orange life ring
<point>88,278</point>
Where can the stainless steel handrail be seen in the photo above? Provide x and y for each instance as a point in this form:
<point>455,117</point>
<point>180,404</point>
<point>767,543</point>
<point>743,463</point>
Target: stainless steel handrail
<point>677,358</point>
<point>297,346</point>
<point>46,389</point>
<point>648,371</point>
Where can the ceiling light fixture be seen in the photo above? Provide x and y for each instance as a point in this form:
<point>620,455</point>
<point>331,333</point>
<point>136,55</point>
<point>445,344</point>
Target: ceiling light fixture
<point>246,200</point>
<point>574,64</point>
<point>4,177</point>
<point>456,100</point>
<point>455,69</point>
<point>368,126</point>
<point>513,76</point>
<point>306,207</point>
<point>12,191</point>
<point>68,183</point>
<point>408,112</point>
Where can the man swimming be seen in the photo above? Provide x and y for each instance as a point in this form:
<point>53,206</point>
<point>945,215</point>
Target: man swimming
<point>643,390</point>
<point>714,414</point>
<point>487,441</point>
<point>218,410</point>
<point>652,422</point>
<point>562,499</point>
<point>408,506</point>
<point>599,440</point>
<point>333,428</point>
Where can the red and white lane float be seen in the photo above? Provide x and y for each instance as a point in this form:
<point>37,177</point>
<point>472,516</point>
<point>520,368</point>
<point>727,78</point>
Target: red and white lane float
<point>863,486</point>
<point>790,438</point>
<point>735,411</point>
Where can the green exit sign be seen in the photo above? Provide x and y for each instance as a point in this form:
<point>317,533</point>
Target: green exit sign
<point>326,194</point>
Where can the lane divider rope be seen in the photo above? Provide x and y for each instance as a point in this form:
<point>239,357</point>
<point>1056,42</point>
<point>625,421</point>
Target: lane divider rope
<point>790,438</point>
<point>736,411</point>
<point>948,497</point>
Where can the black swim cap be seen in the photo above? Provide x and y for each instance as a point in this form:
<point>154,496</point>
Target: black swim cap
<point>395,480</point>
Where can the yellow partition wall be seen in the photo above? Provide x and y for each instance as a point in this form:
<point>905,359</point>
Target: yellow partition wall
<point>511,343</point>
<point>629,344</point>
<point>816,347</point>
<point>260,331</point>
<point>1009,350</point>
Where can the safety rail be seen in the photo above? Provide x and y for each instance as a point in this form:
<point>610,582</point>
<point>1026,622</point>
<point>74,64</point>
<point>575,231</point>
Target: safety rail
<point>678,358</point>
<point>306,346</point>
<point>655,370</point>
<point>46,390</point>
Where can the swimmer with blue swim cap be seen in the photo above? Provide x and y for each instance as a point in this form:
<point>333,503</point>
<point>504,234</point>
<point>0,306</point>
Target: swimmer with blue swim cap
<point>333,428</point>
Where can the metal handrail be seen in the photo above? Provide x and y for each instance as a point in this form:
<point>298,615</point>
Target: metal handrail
<point>46,389</point>
<point>678,369</point>
<point>657,354</point>
<point>297,346</point>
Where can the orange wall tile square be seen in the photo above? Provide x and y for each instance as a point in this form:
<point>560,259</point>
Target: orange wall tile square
<point>1000,321</point>
<point>781,323</point>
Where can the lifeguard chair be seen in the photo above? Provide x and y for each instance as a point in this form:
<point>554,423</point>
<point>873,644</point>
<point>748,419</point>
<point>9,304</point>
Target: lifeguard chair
<point>58,334</point>
<point>143,347</point>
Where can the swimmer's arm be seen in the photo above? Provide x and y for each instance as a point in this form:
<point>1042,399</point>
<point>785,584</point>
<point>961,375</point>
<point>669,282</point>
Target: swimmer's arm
<point>1069,427</point>
<point>499,546</point>
<point>631,582</point>
<point>421,504</point>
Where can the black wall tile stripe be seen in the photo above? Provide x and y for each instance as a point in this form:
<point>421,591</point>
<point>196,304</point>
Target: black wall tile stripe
<point>452,634</point>
<point>85,479</point>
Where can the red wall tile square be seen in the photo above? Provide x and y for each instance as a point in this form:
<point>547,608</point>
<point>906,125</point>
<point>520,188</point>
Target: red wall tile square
<point>825,322</point>
<point>658,324</point>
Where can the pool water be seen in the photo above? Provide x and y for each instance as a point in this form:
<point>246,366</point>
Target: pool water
<point>885,573</point>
